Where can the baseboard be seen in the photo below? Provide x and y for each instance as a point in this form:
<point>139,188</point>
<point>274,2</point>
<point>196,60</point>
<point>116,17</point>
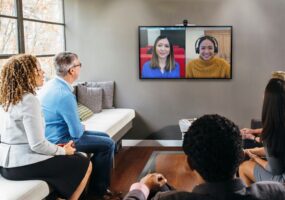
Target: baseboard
<point>152,143</point>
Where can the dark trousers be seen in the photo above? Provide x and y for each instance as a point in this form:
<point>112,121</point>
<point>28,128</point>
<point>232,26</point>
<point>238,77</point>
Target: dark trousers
<point>102,147</point>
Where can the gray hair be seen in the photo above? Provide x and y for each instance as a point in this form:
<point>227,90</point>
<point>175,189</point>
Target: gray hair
<point>63,62</point>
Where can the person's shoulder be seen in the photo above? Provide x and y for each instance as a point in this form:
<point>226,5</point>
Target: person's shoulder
<point>50,82</point>
<point>56,82</point>
<point>49,87</point>
<point>191,64</point>
<point>29,98</point>
<point>59,87</point>
<point>195,60</point>
<point>146,64</point>
<point>177,64</point>
<point>221,60</point>
<point>147,71</point>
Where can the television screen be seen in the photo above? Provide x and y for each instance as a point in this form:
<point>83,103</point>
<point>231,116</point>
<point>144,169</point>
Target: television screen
<point>185,52</point>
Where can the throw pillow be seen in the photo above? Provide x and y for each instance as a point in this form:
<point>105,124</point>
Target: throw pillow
<point>108,91</point>
<point>90,97</point>
<point>84,112</point>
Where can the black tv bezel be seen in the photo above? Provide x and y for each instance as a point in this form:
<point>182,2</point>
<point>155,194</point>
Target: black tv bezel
<point>194,26</point>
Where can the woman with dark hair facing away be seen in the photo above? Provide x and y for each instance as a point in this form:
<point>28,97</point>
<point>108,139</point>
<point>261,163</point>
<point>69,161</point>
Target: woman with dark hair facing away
<point>162,63</point>
<point>272,137</point>
<point>207,65</point>
<point>25,154</point>
<point>253,134</point>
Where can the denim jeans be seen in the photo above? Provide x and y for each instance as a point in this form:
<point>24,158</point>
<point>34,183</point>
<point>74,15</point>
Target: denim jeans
<point>102,147</point>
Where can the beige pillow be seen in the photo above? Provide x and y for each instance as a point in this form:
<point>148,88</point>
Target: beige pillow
<point>84,112</point>
<point>90,97</point>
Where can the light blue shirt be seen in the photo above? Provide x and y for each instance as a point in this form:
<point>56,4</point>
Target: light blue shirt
<point>60,111</point>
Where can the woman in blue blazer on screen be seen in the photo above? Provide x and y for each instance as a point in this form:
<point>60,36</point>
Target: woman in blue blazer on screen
<point>162,63</point>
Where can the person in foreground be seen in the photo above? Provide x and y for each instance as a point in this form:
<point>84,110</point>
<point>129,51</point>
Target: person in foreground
<point>63,124</point>
<point>25,154</point>
<point>273,137</point>
<point>208,65</point>
<point>162,63</point>
<point>213,147</point>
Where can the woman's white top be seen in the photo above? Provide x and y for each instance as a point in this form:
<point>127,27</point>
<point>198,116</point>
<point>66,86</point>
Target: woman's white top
<point>22,135</point>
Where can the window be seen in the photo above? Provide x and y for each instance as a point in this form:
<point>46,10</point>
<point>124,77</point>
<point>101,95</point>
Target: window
<point>32,26</point>
<point>8,36</point>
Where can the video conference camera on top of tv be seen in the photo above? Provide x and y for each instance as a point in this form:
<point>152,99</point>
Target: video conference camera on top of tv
<point>185,22</point>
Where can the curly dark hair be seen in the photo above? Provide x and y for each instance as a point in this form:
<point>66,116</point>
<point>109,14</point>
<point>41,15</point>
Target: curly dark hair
<point>213,146</point>
<point>17,78</point>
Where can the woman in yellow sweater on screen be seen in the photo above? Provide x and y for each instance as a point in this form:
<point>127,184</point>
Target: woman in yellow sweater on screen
<point>207,65</point>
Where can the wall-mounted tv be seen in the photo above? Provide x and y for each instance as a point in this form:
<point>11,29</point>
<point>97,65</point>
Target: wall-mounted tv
<point>185,52</point>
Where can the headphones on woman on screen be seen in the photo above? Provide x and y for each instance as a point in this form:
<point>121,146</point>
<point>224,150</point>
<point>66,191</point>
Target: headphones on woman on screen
<point>206,37</point>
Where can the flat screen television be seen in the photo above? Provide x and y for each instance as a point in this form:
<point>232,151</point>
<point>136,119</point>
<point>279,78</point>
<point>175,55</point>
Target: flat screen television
<point>185,52</point>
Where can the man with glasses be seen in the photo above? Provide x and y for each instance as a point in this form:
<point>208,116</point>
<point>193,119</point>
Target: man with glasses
<point>63,124</point>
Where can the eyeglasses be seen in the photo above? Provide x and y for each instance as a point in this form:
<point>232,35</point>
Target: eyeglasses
<point>78,65</point>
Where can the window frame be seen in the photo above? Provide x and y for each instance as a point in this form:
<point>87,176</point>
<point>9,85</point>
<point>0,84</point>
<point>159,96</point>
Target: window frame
<point>20,29</point>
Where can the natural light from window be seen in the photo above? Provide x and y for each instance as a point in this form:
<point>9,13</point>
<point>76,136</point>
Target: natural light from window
<point>40,32</point>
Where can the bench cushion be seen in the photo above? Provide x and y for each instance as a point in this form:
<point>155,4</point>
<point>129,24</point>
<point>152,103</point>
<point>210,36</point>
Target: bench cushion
<point>110,121</point>
<point>23,190</point>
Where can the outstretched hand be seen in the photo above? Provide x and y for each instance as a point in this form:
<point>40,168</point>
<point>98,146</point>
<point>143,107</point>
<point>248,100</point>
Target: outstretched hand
<point>154,181</point>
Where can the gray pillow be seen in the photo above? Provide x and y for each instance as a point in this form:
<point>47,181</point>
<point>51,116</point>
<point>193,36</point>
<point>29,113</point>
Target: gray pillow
<point>91,97</point>
<point>108,91</point>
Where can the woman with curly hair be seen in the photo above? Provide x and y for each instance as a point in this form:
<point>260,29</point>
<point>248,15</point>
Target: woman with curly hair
<point>272,137</point>
<point>25,154</point>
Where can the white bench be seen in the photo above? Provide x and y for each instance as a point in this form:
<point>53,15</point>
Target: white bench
<point>116,122</point>
<point>23,190</point>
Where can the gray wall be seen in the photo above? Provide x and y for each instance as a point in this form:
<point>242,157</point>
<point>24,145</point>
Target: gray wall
<point>105,35</point>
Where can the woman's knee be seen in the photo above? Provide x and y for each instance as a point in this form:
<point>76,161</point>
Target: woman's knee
<point>246,167</point>
<point>242,167</point>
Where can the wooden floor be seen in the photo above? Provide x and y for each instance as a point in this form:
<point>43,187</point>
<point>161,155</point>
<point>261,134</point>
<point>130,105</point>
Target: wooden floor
<point>130,162</point>
<point>176,170</point>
